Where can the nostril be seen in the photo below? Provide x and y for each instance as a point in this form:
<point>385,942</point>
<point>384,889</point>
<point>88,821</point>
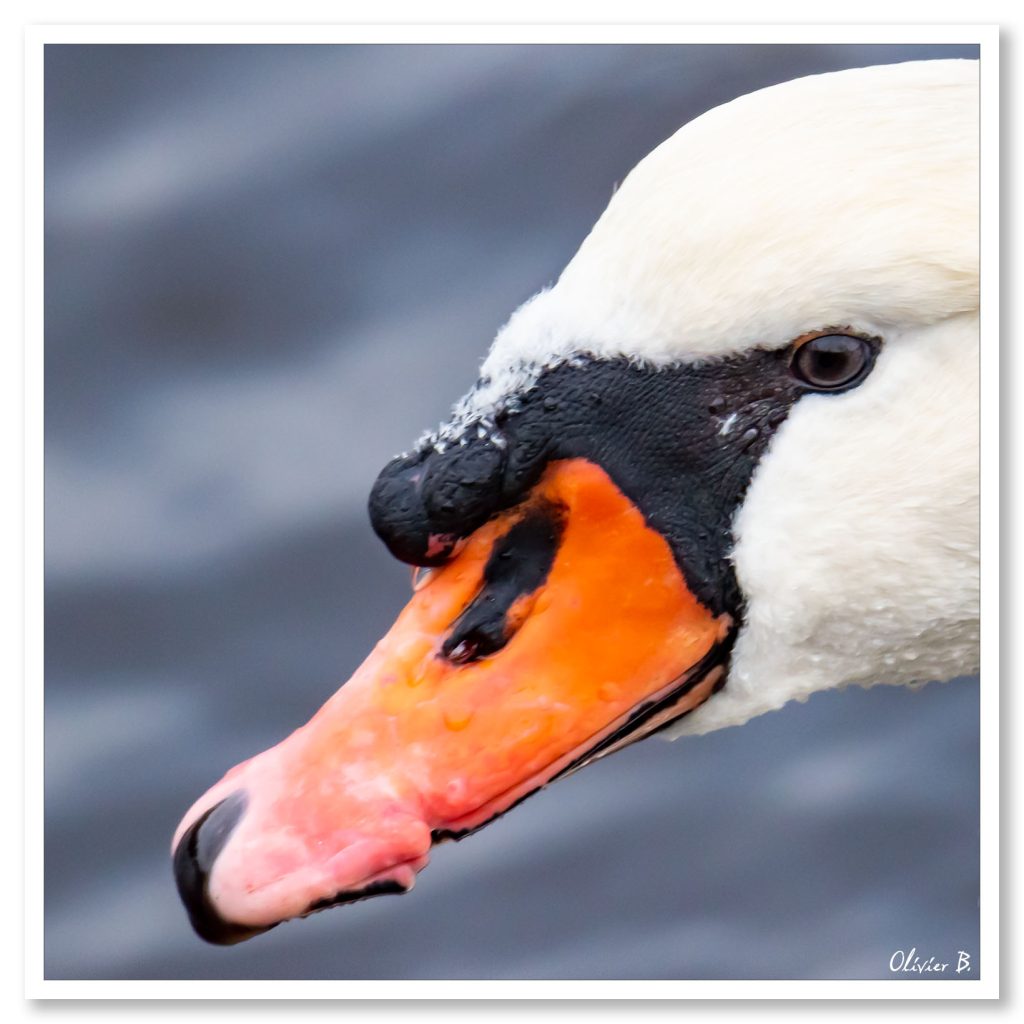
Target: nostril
<point>517,567</point>
<point>194,857</point>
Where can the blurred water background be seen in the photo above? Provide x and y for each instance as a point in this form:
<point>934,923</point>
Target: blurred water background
<point>268,268</point>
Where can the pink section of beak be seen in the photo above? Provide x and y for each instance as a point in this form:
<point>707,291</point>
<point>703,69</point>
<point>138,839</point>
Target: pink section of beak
<point>286,855</point>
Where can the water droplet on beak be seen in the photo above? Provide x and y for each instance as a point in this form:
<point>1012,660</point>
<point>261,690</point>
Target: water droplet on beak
<point>457,719</point>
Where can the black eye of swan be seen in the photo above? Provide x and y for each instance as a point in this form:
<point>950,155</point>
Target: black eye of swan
<point>833,362</point>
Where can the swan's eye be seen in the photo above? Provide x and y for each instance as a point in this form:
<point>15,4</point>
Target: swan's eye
<point>833,361</point>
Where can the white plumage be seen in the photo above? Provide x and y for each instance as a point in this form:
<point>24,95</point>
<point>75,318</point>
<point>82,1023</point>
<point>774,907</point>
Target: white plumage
<point>845,200</point>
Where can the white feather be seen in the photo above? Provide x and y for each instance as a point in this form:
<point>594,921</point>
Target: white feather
<point>846,199</point>
<point>840,200</point>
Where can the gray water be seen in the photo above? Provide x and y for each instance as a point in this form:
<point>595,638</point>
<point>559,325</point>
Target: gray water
<point>267,270</point>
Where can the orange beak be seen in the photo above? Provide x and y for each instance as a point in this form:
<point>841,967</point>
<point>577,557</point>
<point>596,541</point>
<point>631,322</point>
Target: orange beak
<point>561,631</point>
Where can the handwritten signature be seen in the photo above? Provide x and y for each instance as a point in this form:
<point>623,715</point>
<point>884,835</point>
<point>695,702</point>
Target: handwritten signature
<point>910,962</point>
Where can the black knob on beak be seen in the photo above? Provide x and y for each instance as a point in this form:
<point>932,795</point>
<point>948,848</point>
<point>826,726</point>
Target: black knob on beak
<point>423,504</point>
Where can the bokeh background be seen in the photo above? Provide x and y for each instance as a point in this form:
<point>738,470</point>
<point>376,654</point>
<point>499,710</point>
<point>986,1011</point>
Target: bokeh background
<point>268,269</point>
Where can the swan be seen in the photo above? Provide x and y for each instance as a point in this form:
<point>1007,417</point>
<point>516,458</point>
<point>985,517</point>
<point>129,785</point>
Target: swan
<point>730,458</point>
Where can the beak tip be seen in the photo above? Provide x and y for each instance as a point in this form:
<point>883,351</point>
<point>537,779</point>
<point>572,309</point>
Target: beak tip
<point>194,856</point>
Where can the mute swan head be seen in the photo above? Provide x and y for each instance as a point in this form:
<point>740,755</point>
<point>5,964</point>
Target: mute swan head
<point>728,459</point>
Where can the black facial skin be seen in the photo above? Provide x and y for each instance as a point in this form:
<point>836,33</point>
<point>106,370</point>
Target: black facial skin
<point>680,442</point>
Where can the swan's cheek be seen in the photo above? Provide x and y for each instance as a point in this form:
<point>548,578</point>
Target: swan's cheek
<point>856,546</point>
<point>562,630</point>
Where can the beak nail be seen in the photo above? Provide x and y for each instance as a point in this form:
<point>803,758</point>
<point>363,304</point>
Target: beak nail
<point>194,857</point>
